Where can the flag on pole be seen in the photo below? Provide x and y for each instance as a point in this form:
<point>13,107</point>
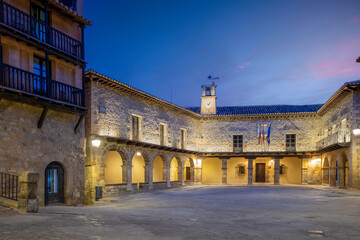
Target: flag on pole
<point>259,136</point>
<point>268,134</point>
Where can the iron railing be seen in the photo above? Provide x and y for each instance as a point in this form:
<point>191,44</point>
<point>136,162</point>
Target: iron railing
<point>23,22</point>
<point>342,136</point>
<point>71,4</point>
<point>9,186</point>
<point>28,82</point>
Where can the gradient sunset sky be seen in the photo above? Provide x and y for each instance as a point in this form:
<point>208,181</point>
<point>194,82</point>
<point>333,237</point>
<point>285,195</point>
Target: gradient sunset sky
<point>264,52</point>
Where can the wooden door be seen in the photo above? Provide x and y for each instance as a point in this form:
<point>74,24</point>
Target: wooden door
<point>260,172</point>
<point>54,183</point>
<point>188,174</point>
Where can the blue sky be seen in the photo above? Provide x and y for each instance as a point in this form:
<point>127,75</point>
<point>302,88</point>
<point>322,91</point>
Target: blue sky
<point>264,52</point>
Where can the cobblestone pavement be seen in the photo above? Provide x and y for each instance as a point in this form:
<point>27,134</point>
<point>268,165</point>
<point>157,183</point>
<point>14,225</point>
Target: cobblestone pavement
<point>198,212</point>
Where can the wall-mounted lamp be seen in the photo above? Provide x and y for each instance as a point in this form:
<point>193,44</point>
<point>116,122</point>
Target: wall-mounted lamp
<point>96,142</point>
<point>356,132</point>
<point>138,154</point>
<point>271,161</point>
<point>198,163</point>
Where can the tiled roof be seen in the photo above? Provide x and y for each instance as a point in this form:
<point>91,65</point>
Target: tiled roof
<point>269,109</point>
<point>353,82</point>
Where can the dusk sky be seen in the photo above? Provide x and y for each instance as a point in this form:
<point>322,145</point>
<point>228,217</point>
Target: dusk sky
<point>264,52</point>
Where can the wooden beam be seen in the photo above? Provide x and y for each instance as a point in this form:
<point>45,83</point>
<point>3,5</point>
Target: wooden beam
<point>77,126</point>
<point>42,117</point>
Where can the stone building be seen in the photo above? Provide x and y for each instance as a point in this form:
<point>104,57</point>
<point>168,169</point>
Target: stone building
<point>42,99</point>
<point>137,141</point>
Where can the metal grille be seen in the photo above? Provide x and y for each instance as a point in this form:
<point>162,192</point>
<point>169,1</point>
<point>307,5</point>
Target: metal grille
<point>9,186</point>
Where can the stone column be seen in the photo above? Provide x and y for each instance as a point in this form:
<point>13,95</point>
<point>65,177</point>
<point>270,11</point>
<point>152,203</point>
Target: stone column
<point>129,177</point>
<point>124,171</point>
<point>28,200</point>
<point>224,170</point>
<point>181,174</point>
<point>277,171</point>
<point>250,171</point>
<point>150,174</point>
<point>168,176</point>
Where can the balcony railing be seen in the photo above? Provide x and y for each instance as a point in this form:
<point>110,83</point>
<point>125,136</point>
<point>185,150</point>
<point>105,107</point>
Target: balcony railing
<point>28,82</point>
<point>9,186</point>
<point>71,4</point>
<point>342,136</point>
<point>28,25</point>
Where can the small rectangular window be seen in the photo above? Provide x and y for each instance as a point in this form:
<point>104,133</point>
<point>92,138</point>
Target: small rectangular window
<point>282,169</point>
<point>241,169</point>
<point>237,143</point>
<point>290,142</point>
<point>182,138</point>
<point>136,128</point>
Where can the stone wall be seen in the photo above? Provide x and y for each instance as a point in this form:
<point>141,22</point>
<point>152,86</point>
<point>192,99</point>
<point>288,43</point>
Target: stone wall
<point>216,134</point>
<point>117,120</point>
<point>24,147</point>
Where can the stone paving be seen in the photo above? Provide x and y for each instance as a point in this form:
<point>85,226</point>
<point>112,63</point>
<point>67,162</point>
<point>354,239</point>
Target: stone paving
<point>199,212</point>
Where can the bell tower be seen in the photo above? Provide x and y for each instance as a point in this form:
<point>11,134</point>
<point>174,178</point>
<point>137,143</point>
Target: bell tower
<point>208,99</point>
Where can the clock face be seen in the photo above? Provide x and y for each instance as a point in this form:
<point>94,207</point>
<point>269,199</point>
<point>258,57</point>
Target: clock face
<point>208,104</point>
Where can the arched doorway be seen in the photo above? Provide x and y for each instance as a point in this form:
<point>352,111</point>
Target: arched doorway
<point>54,183</point>
<point>343,170</point>
<point>114,164</point>
<point>189,170</point>
<point>325,177</point>
<point>175,169</point>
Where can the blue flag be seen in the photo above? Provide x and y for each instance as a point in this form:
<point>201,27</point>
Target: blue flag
<point>268,134</point>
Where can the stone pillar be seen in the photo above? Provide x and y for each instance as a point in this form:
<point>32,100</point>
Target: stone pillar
<point>150,174</point>
<point>224,170</point>
<point>276,171</point>
<point>250,171</point>
<point>168,176</point>
<point>129,177</point>
<point>28,200</point>
<point>181,174</point>
<point>124,171</point>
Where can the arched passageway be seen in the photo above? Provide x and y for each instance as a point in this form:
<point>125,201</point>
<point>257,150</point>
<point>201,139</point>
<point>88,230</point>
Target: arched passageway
<point>138,170</point>
<point>325,171</point>
<point>175,169</point>
<point>159,169</point>
<point>114,165</point>
<point>343,170</point>
<point>212,171</point>
<point>54,183</point>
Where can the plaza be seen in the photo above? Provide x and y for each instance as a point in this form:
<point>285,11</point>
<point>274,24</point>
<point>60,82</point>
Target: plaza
<point>199,212</point>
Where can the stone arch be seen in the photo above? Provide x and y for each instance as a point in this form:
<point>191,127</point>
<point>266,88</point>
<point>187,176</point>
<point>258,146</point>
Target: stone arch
<point>159,168</point>
<point>175,168</point>
<point>343,170</point>
<point>140,167</point>
<point>333,170</point>
<point>325,170</point>
<point>189,167</point>
<point>124,163</point>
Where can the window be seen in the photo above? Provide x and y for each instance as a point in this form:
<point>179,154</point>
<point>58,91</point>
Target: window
<point>241,169</point>
<point>136,127</point>
<point>163,134</point>
<point>208,91</point>
<point>238,143</point>
<point>39,68</point>
<point>182,138</point>
<point>290,142</point>
<point>38,23</point>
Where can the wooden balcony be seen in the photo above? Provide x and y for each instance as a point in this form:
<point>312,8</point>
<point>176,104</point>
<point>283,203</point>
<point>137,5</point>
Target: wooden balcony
<point>21,81</point>
<point>22,22</point>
